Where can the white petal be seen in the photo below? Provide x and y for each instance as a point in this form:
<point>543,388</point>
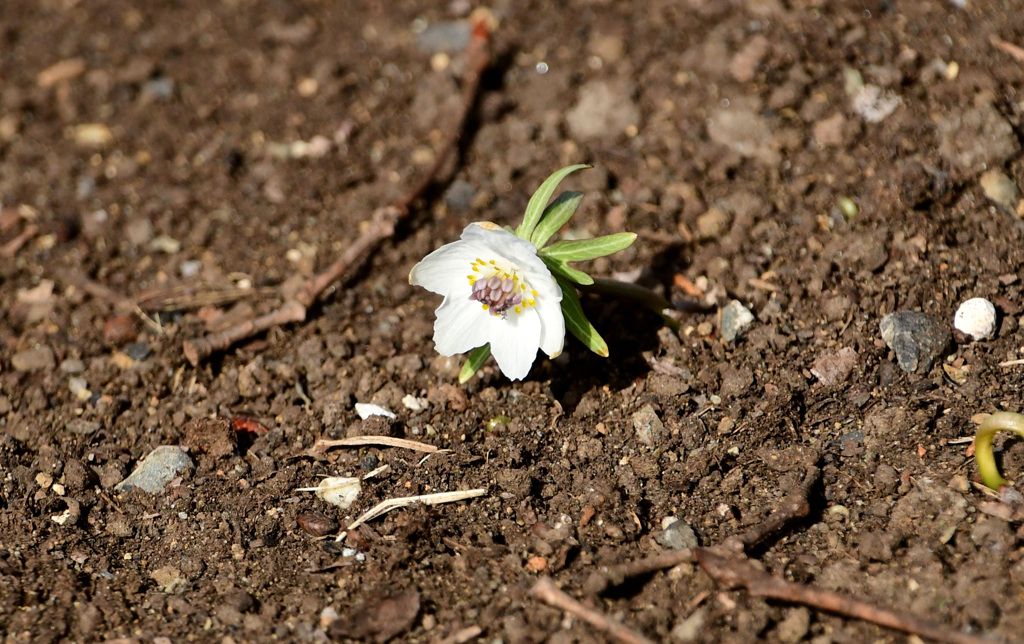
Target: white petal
<point>463,325</point>
<point>443,269</point>
<point>552,327</point>
<point>516,348</point>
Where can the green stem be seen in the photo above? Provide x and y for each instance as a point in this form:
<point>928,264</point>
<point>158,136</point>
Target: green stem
<point>983,454</point>
<point>628,291</point>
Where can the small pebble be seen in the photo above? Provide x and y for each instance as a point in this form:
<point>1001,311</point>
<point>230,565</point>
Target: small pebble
<point>977,318</point>
<point>676,534</point>
<point>72,365</point>
<point>648,427</point>
<point>916,338</point>
<point>999,188</point>
<point>37,359</point>
<point>735,320</point>
<point>191,268</point>
<point>159,468</point>
<point>79,388</point>
<point>366,410</point>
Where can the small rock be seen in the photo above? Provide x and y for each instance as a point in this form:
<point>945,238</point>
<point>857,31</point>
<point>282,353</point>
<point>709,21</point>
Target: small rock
<point>191,268</point>
<point>999,188</point>
<point>169,579</point>
<point>79,388</point>
<point>603,111</point>
<point>976,138</point>
<point>691,628</point>
<point>366,410</point>
<point>676,534</point>
<point>917,338</point>
<point>829,131</point>
<point>138,351</point>
<point>743,130</point>
<point>81,426</point>
<point>459,196</point>
<point>832,369</point>
<point>93,135</point>
<point>72,365</point>
<point>165,244</point>
<point>795,625</point>
<point>448,37</point>
<point>874,104</point>
<point>977,318</point>
<point>37,359</point>
<point>735,320</point>
<point>159,468</point>
<point>713,223</point>
<point>120,329</point>
<point>649,428</point>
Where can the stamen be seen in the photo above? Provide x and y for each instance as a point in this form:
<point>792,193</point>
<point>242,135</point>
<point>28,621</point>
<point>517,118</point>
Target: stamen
<point>499,289</point>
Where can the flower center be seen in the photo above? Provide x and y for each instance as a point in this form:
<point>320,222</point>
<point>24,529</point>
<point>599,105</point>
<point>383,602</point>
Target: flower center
<point>499,289</point>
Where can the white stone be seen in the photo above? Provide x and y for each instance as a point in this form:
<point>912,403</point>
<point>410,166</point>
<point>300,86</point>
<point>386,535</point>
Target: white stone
<point>977,318</point>
<point>365,410</point>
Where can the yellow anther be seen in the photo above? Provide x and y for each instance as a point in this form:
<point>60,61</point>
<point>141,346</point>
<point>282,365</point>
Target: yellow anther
<point>486,307</point>
<point>492,262</point>
<point>534,293</point>
<point>476,268</point>
<point>519,309</point>
<point>533,302</point>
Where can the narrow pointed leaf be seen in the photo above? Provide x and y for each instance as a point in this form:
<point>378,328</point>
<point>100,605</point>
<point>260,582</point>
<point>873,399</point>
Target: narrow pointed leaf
<point>539,200</point>
<point>577,322</point>
<point>477,358</point>
<point>584,249</point>
<point>555,216</point>
<point>566,272</point>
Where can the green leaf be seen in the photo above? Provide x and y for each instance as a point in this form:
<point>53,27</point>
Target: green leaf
<point>583,249</point>
<point>566,272</point>
<point>539,200</point>
<point>555,216</point>
<point>577,322</point>
<point>477,358</point>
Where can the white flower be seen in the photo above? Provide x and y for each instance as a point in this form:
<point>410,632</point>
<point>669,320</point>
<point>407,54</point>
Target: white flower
<point>496,290</point>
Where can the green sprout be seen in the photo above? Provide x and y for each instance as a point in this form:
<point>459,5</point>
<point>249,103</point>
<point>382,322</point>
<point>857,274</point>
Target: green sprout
<point>983,454</point>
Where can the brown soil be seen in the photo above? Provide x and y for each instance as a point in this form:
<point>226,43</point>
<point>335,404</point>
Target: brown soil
<point>731,139</point>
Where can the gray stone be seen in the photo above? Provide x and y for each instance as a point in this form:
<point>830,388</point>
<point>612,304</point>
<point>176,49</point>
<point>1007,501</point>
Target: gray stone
<point>158,469</point>
<point>735,320</point>
<point>603,111</point>
<point>649,428</point>
<point>676,534</point>
<point>917,338</point>
<point>459,196</point>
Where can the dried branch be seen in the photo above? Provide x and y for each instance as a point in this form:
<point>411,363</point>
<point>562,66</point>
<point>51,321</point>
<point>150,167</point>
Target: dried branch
<point>382,226</point>
<point>740,573</point>
<point>360,441</point>
<point>426,499</point>
<point>546,591</point>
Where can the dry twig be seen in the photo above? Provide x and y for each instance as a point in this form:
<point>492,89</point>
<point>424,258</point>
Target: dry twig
<point>388,441</point>
<point>1008,47</point>
<point>740,573</point>
<point>546,591</point>
<point>382,225</point>
<point>11,248</point>
<point>735,571</point>
<point>426,499</point>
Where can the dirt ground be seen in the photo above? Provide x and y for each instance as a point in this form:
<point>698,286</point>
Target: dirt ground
<point>823,163</point>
